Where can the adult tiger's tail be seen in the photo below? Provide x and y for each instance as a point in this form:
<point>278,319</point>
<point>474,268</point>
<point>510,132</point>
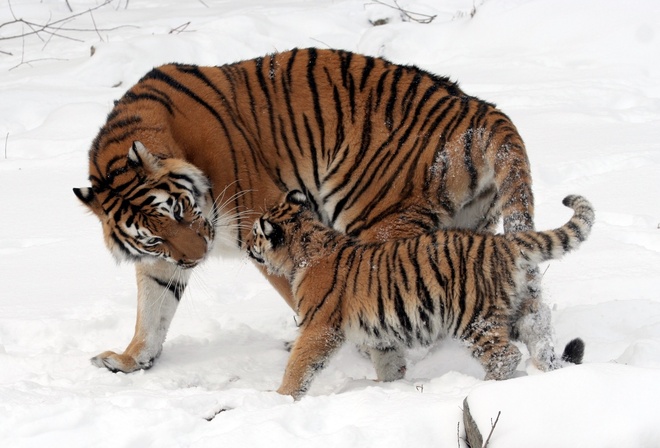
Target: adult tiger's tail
<point>536,247</point>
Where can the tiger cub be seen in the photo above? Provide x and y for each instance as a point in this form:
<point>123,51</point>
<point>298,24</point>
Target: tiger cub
<point>406,292</point>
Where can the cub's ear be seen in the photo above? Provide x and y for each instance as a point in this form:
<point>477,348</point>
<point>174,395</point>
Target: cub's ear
<point>87,197</point>
<point>139,157</point>
<point>297,197</point>
<point>272,232</point>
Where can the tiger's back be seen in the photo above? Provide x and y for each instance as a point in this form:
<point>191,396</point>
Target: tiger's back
<point>380,149</point>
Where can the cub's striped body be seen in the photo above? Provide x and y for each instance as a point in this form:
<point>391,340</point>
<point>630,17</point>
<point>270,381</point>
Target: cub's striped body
<point>405,292</point>
<point>190,155</point>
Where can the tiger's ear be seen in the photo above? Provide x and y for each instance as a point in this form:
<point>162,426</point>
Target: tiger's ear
<point>139,157</point>
<point>88,197</point>
<point>297,197</point>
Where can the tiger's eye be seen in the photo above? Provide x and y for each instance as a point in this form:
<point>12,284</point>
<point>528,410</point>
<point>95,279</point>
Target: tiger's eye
<point>177,211</point>
<point>152,241</point>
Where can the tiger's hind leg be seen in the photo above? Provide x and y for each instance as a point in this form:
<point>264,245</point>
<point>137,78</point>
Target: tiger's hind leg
<point>310,354</point>
<point>533,326</point>
<point>490,344</point>
<point>389,362</point>
<point>160,286</point>
<point>515,203</point>
<point>501,362</point>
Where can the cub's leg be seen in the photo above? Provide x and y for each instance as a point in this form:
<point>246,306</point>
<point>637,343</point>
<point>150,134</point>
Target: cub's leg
<point>501,361</point>
<point>389,362</point>
<point>160,287</point>
<point>492,347</point>
<point>311,352</point>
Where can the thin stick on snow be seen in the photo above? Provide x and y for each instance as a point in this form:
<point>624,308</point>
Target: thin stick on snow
<point>95,27</point>
<point>53,27</point>
<point>180,29</point>
<point>492,428</point>
<point>421,18</point>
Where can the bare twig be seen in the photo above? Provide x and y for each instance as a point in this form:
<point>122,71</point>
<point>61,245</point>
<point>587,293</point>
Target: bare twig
<point>53,34</point>
<point>471,13</point>
<point>409,15</point>
<point>179,29</point>
<point>35,60</point>
<point>321,42</point>
<point>6,140</point>
<point>24,62</point>
<point>119,5</point>
<point>492,428</point>
<point>95,27</point>
<point>56,25</point>
<point>215,414</point>
<point>546,270</point>
<point>68,6</point>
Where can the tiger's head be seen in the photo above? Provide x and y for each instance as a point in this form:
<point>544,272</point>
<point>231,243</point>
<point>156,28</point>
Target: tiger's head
<point>152,208</point>
<point>273,235</point>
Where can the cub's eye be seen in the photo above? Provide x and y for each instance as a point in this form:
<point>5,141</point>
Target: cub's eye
<point>177,211</point>
<point>152,241</point>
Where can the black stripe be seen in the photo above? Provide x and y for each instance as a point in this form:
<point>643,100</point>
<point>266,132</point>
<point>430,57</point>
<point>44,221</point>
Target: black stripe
<point>577,231</point>
<point>448,258</point>
<point>379,293</point>
<point>311,81</point>
<point>164,100</point>
<point>174,287</point>
<point>389,108</point>
<point>366,71</point>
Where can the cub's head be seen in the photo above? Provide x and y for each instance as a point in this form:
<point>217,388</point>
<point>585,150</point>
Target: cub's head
<point>270,242</point>
<point>151,208</point>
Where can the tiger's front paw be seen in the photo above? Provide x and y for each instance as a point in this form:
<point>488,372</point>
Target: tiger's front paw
<point>115,362</point>
<point>296,392</point>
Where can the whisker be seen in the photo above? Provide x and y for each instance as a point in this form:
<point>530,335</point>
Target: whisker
<point>219,206</point>
<point>158,303</point>
<point>200,284</point>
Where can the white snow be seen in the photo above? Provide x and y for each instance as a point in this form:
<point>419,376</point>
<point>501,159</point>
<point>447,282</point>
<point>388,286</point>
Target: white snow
<point>581,80</point>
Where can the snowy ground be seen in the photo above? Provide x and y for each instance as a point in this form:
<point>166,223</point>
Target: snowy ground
<point>580,79</point>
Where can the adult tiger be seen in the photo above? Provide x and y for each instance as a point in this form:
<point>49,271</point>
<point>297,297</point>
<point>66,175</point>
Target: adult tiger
<point>382,151</point>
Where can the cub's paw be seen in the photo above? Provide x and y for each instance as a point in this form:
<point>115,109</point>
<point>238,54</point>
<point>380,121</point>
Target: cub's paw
<point>115,362</point>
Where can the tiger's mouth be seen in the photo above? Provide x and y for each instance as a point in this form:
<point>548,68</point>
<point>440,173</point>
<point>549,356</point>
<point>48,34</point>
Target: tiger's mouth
<point>187,264</point>
<point>256,257</point>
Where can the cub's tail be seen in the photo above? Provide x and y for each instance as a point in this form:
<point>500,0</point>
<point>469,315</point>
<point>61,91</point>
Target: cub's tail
<point>536,247</point>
